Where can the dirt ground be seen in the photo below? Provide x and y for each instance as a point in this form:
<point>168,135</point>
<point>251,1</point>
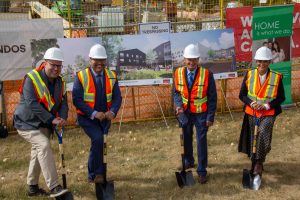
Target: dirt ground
<point>143,157</point>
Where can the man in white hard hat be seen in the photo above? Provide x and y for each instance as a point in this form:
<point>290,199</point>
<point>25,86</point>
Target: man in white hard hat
<point>195,100</point>
<point>262,93</point>
<point>43,104</point>
<point>97,98</point>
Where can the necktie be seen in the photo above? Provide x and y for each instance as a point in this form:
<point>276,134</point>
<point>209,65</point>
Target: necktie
<point>99,80</point>
<point>190,79</point>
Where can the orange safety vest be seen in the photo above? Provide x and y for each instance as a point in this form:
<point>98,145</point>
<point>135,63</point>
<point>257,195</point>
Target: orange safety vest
<point>42,92</point>
<point>89,90</point>
<point>196,99</point>
<point>262,93</point>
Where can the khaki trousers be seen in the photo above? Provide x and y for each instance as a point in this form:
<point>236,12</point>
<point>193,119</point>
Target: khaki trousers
<point>41,157</point>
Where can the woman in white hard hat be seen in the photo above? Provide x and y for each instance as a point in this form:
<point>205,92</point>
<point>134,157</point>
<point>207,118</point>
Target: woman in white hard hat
<point>43,99</point>
<point>262,93</point>
<point>195,100</point>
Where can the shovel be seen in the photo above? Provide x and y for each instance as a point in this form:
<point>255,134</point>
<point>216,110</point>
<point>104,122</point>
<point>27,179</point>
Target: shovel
<point>67,195</point>
<point>250,180</point>
<point>184,178</point>
<point>3,129</point>
<point>106,190</point>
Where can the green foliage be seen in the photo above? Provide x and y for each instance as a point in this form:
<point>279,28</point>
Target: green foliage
<point>39,47</point>
<point>112,44</point>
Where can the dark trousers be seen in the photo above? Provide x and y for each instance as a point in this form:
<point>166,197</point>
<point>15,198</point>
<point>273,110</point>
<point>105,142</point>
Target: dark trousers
<point>199,120</point>
<point>94,131</point>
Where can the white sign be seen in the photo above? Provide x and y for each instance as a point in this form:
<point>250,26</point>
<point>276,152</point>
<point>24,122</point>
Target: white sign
<point>15,49</point>
<point>154,28</point>
<point>262,1</point>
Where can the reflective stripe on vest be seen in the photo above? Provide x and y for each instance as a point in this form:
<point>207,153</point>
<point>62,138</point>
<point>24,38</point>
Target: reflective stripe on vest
<point>89,90</point>
<point>41,89</point>
<point>196,99</point>
<point>262,93</point>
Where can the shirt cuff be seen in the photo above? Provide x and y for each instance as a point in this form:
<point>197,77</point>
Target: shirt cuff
<point>112,113</point>
<point>267,106</point>
<point>93,115</point>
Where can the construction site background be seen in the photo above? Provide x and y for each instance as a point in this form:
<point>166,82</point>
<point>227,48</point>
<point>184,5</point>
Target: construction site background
<point>88,18</point>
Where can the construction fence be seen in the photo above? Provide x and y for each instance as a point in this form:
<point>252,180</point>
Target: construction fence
<point>93,18</point>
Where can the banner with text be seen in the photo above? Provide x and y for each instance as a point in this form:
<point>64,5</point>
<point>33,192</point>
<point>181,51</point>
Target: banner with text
<point>240,19</point>
<point>272,22</point>
<point>15,49</point>
<point>272,27</point>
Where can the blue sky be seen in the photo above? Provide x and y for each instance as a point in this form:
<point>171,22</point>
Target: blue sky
<point>214,39</point>
<point>144,42</point>
<point>72,47</point>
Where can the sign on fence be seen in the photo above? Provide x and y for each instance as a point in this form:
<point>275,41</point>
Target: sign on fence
<point>240,19</point>
<point>15,50</point>
<point>154,28</point>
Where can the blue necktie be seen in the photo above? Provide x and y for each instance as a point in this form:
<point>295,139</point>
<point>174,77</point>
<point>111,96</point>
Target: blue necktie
<point>99,80</point>
<point>190,79</point>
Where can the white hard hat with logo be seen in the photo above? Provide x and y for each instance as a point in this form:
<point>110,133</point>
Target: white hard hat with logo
<point>191,51</point>
<point>98,52</point>
<point>263,53</point>
<point>54,54</point>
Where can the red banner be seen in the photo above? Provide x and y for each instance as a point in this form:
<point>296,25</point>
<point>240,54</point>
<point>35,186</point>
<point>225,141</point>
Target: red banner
<point>240,19</point>
<point>296,32</point>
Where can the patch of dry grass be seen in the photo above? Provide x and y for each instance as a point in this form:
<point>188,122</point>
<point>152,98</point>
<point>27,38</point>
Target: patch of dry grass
<point>143,158</point>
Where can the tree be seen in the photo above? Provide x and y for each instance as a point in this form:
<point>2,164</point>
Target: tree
<point>81,62</point>
<point>112,44</point>
<point>211,53</point>
<point>39,47</point>
<point>151,56</point>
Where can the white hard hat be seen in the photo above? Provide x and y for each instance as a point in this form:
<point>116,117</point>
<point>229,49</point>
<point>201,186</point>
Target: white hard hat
<point>191,51</point>
<point>263,53</point>
<point>97,52</point>
<point>54,54</point>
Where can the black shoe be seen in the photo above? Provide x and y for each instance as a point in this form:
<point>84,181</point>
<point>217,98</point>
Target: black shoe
<point>34,190</point>
<point>57,191</point>
<point>202,179</point>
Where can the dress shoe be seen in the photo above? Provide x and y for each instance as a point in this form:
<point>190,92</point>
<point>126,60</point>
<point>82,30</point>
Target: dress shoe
<point>187,166</point>
<point>34,190</point>
<point>258,168</point>
<point>202,179</point>
<point>99,179</point>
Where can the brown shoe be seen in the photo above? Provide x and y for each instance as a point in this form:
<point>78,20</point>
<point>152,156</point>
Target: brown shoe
<point>258,168</point>
<point>99,179</point>
<point>202,179</point>
<point>187,166</point>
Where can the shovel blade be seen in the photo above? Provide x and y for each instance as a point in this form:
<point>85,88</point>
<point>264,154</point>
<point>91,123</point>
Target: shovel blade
<point>105,191</point>
<point>246,178</point>
<point>66,196</point>
<point>256,182</point>
<point>185,178</point>
<point>251,181</point>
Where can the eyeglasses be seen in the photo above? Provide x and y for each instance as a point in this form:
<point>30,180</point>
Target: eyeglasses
<point>263,61</point>
<point>54,65</point>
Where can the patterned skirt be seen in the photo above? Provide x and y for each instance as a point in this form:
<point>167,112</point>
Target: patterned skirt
<point>264,136</point>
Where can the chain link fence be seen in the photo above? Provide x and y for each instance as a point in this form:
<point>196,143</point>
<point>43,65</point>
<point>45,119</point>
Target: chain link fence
<point>87,18</point>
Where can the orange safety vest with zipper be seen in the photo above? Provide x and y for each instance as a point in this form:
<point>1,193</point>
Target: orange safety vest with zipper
<point>262,94</point>
<point>196,98</point>
<point>42,92</point>
<point>89,89</point>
